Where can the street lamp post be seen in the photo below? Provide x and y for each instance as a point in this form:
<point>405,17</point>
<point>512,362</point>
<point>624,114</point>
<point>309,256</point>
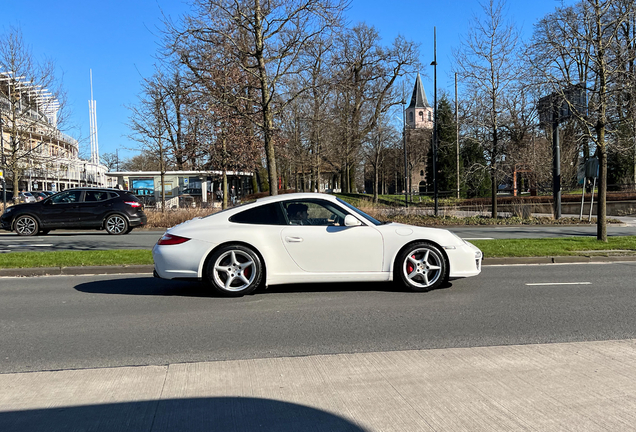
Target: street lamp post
<point>4,183</point>
<point>434,64</point>
<point>406,200</point>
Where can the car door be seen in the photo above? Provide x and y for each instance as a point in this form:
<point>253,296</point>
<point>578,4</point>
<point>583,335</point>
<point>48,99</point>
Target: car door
<point>93,208</point>
<point>323,245</point>
<point>61,210</point>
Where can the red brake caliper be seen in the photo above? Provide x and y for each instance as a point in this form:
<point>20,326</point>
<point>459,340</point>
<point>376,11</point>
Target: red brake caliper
<point>409,265</point>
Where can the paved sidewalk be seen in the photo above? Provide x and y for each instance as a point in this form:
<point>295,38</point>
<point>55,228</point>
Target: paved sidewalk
<point>586,386</point>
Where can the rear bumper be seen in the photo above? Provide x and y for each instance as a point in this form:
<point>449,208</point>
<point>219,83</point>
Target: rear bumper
<point>137,220</point>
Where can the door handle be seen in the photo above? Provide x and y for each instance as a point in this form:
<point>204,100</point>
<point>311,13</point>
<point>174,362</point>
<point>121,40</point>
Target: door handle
<point>293,239</point>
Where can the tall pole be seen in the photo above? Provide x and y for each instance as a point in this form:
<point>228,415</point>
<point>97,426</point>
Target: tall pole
<point>556,162</point>
<point>435,120</point>
<point>4,184</point>
<point>406,199</point>
<point>457,132</point>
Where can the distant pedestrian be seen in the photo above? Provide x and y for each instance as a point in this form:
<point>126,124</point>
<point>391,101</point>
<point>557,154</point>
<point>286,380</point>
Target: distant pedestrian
<point>233,195</point>
<point>219,194</point>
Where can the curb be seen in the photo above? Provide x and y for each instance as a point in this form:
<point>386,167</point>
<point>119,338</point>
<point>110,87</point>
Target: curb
<point>556,260</point>
<point>75,271</point>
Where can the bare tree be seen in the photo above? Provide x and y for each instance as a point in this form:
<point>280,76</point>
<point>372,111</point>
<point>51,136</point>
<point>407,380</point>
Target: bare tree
<point>365,81</point>
<point>487,63</point>
<point>376,146</point>
<point>110,160</point>
<point>148,125</point>
<point>31,106</point>
<point>576,46</point>
<point>268,40</point>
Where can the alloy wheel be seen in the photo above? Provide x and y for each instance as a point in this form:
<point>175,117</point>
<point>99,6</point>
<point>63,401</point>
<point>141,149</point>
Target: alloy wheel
<point>234,270</point>
<point>26,226</point>
<point>423,267</point>
<point>116,225</point>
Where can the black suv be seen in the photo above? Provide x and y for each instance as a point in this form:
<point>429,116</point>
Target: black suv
<point>116,211</point>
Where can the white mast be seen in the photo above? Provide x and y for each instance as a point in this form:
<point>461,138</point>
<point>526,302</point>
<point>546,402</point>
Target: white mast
<point>92,111</point>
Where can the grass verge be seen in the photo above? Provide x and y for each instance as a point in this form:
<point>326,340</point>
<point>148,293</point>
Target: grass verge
<point>565,246</point>
<point>75,258</point>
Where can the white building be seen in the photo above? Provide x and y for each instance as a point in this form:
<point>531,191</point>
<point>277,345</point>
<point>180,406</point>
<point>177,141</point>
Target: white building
<point>48,158</point>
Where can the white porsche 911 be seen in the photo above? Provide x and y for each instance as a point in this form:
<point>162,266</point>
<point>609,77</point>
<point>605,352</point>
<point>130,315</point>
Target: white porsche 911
<point>309,237</point>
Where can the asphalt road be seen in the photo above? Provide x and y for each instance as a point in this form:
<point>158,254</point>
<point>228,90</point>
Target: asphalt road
<point>62,240</point>
<point>145,239</point>
<point>51,323</point>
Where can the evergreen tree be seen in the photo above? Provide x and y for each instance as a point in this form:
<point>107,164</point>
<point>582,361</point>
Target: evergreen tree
<point>476,181</point>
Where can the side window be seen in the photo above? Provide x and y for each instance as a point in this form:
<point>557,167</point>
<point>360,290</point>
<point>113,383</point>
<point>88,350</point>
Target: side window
<point>94,196</point>
<point>66,197</point>
<point>269,214</point>
<point>314,212</point>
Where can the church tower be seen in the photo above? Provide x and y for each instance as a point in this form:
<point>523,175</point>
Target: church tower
<point>419,134</point>
<point>419,114</point>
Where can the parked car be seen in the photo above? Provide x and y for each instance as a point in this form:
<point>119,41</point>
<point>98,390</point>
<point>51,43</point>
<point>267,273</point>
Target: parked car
<point>115,211</point>
<point>146,196</point>
<point>39,196</point>
<point>309,237</point>
<point>192,197</point>
<point>48,193</point>
<point>25,197</point>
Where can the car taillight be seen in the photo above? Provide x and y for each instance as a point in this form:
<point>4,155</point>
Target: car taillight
<point>133,203</point>
<point>169,239</point>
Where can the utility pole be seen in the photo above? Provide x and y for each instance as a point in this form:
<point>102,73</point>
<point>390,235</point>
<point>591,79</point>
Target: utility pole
<point>457,132</point>
<point>406,199</point>
<point>434,64</point>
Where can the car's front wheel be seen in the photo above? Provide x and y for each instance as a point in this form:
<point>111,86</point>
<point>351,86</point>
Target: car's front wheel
<point>26,226</point>
<point>116,224</point>
<point>234,270</point>
<point>421,267</point>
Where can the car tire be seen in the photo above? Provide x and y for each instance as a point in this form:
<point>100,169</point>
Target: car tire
<point>116,224</point>
<point>421,267</point>
<point>128,231</point>
<point>26,226</point>
<point>234,270</point>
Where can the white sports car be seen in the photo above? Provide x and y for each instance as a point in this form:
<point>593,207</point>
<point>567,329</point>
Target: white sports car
<point>309,237</point>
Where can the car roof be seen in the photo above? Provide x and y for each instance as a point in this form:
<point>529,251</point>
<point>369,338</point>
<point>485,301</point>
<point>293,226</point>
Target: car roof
<point>297,196</point>
<point>97,189</point>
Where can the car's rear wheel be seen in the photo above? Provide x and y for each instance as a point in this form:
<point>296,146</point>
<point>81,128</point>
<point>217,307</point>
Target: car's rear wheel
<point>26,226</point>
<point>234,270</point>
<point>116,224</point>
<point>421,267</point>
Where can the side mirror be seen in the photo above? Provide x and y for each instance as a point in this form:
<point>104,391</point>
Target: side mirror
<point>351,221</point>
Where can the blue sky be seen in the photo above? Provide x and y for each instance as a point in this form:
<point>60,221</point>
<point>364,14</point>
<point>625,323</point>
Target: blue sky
<point>118,40</point>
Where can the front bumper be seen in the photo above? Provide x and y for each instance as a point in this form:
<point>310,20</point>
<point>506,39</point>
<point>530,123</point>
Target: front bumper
<point>6,222</point>
<point>465,261</point>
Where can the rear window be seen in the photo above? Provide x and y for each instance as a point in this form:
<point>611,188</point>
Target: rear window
<point>269,214</point>
<point>95,196</point>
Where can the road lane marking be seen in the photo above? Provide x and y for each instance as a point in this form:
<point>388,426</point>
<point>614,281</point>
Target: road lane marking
<point>477,238</point>
<point>559,283</point>
<point>29,245</point>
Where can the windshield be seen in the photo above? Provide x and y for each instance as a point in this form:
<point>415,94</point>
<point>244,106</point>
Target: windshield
<point>373,220</point>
